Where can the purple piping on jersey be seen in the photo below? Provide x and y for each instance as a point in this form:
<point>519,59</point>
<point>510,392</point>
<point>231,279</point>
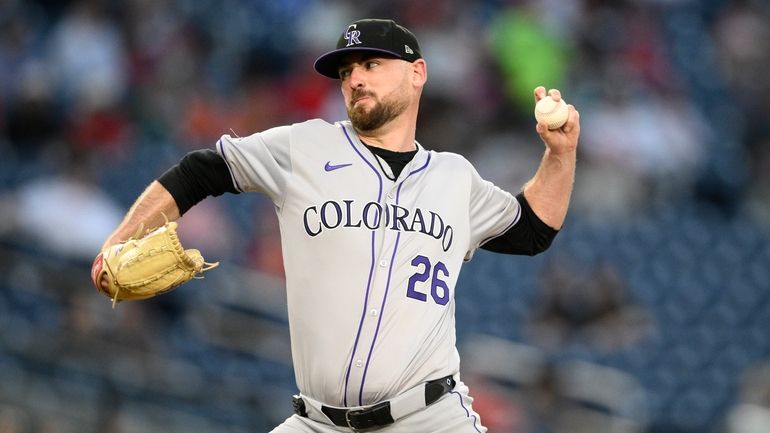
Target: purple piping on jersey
<point>387,287</point>
<point>467,413</point>
<point>427,161</point>
<point>371,271</point>
<point>515,220</point>
<point>222,151</point>
<point>379,321</point>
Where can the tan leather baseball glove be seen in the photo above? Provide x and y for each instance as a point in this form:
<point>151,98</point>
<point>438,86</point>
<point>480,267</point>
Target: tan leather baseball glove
<point>141,268</point>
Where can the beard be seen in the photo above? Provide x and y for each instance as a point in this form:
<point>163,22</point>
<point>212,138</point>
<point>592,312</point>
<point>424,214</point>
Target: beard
<point>381,113</point>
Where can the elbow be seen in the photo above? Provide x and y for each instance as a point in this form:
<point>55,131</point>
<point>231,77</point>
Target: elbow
<point>541,243</point>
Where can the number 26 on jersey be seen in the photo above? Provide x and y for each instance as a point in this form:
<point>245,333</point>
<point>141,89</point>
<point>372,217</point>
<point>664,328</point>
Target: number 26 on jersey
<point>439,290</point>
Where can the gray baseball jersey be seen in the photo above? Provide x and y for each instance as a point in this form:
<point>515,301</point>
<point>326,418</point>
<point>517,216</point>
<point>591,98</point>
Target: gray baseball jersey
<point>371,264</point>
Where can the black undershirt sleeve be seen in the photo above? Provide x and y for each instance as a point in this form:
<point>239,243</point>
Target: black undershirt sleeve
<point>199,174</point>
<point>529,236</point>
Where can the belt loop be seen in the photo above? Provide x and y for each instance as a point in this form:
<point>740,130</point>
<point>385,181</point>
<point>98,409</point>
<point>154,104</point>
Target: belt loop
<point>299,405</point>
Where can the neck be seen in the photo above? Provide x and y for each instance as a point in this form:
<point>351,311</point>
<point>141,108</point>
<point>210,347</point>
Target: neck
<point>398,135</point>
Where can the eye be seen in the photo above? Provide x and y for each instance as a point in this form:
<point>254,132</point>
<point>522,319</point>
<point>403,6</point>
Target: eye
<point>371,64</point>
<point>344,73</point>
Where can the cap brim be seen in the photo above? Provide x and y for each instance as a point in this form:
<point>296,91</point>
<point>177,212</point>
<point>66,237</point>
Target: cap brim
<point>329,63</point>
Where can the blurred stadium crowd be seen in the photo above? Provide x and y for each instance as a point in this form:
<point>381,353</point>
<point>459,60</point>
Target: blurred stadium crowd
<point>649,313</point>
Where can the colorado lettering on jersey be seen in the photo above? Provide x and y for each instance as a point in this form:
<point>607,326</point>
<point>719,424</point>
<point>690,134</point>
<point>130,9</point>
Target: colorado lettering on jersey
<point>347,214</point>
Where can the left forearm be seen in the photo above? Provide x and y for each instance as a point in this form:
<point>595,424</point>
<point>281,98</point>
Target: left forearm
<point>549,191</point>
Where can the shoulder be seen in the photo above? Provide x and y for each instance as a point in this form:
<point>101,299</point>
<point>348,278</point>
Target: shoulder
<point>451,160</point>
<point>457,166</point>
<point>311,126</point>
<point>286,133</point>
<point>314,130</point>
<point>314,125</point>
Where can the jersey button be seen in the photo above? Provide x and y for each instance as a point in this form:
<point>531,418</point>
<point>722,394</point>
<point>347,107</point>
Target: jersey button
<point>374,312</point>
<point>359,363</point>
<point>383,263</point>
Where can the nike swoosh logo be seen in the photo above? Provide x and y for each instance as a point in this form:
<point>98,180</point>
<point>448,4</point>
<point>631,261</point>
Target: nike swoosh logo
<point>330,167</point>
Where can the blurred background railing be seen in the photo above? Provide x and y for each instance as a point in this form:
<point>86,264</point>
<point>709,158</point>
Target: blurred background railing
<point>648,314</point>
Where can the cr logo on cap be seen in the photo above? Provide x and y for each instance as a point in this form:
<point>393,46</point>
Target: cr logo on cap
<point>352,35</point>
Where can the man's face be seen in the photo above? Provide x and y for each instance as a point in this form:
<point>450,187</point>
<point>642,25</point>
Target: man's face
<point>375,88</point>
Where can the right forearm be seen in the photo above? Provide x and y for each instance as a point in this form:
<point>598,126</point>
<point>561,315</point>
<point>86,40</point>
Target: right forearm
<point>147,211</point>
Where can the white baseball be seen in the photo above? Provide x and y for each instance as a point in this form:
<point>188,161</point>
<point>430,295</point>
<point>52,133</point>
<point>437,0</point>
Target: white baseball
<point>551,112</point>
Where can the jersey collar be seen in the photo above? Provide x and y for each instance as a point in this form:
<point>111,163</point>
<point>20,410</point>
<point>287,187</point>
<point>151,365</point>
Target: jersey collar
<point>417,163</point>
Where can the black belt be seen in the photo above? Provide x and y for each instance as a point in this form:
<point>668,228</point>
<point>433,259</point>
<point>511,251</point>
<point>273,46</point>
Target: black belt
<point>378,415</point>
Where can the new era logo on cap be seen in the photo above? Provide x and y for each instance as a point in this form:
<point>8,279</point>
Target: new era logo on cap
<point>381,36</point>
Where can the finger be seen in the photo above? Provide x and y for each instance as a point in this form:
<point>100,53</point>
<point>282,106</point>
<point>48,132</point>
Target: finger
<point>103,284</point>
<point>573,120</point>
<point>542,129</point>
<point>539,93</point>
<point>576,127</point>
<point>555,94</point>
<point>570,118</point>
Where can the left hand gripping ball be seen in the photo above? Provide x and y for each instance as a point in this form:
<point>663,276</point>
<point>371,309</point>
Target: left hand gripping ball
<point>553,113</point>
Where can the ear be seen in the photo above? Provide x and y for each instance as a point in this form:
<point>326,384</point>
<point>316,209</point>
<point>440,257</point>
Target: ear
<point>419,72</point>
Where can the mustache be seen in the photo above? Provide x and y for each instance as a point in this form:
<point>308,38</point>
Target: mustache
<point>360,93</point>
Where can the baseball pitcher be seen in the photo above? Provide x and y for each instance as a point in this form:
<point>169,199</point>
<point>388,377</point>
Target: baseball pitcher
<point>375,228</point>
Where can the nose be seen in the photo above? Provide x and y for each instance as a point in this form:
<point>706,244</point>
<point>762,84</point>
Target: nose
<point>356,78</point>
